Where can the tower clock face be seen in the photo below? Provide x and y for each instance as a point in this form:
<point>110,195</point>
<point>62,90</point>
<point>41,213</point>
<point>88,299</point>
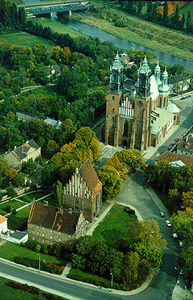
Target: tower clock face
<point>139,103</point>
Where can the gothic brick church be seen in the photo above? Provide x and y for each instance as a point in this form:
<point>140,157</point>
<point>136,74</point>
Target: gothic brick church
<point>140,118</point>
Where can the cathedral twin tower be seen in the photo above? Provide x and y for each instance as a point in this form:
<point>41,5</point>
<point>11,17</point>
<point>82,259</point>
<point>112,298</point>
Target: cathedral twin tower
<point>132,120</point>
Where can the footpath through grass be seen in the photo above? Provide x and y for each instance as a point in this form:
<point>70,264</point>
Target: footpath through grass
<point>113,227</point>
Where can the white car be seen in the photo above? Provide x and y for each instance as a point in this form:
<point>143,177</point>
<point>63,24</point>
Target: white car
<point>181,244</point>
<point>168,223</point>
<point>162,214</point>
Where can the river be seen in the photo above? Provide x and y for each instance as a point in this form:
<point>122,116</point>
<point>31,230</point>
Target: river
<point>126,45</point>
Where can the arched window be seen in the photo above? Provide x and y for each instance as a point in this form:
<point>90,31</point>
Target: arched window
<point>125,133</point>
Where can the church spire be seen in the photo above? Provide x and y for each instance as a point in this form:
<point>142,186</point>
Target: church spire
<point>116,76</point>
<point>164,87</point>
<point>143,80</point>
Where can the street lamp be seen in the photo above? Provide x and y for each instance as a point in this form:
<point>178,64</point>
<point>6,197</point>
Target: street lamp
<point>111,280</point>
<point>39,262</point>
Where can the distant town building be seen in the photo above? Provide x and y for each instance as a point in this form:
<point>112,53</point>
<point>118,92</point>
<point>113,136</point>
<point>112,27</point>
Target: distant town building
<point>21,154</point>
<point>175,159</point>
<point>54,123</point>
<point>84,192</point>
<point>178,83</point>
<point>51,225</point>
<point>139,118</point>
<point>185,146</point>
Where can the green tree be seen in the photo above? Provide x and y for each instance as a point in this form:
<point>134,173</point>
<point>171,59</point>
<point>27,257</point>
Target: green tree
<point>22,17</point>
<point>40,54</point>
<point>4,167</point>
<point>59,193</point>
<point>129,270</point>
<point>165,13</point>
<point>11,192</point>
<point>111,181</point>
<point>189,22</point>
<point>150,233</point>
<point>19,180</point>
<point>49,175</point>
<point>182,221</point>
<point>40,74</point>
<point>51,148</point>
<point>150,253</point>
<point>132,158</point>
<point>66,132</point>
<point>186,261</point>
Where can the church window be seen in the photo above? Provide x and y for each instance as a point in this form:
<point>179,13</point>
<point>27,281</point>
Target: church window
<point>125,133</point>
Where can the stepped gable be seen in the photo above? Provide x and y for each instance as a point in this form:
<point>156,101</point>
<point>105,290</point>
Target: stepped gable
<point>53,218</point>
<point>89,175</point>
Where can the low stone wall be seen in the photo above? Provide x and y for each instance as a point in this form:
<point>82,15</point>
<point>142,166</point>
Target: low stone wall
<point>19,192</point>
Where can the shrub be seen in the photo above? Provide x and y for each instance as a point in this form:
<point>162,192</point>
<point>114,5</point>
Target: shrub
<point>14,212</point>
<point>8,208</point>
<point>129,210</point>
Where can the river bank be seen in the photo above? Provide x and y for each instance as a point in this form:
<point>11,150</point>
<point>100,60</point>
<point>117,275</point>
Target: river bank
<point>143,33</point>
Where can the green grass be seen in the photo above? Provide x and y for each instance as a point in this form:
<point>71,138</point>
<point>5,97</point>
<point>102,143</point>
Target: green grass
<point>58,27</point>
<point>29,197</point>
<point>18,2</point>
<point>51,200</point>
<point>113,227</point>
<point>13,203</point>
<point>10,250</point>
<point>85,275</point>
<point>26,40</point>
<point>15,221</point>
<point>9,293</point>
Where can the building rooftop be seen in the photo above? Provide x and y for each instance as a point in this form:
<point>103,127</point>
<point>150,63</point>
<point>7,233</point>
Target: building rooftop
<point>164,117</point>
<point>22,151</point>
<point>2,219</point>
<point>54,218</point>
<point>186,144</point>
<point>174,157</point>
<point>89,175</point>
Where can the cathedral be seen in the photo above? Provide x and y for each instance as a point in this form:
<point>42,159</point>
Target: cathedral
<point>139,118</point>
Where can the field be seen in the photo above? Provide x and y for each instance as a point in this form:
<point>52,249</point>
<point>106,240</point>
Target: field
<point>10,250</point>
<point>26,40</point>
<point>143,33</point>
<point>113,227</point>
<point>58,27</point>
<point>15,221</point>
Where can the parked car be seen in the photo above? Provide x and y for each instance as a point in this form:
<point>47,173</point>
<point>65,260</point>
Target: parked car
<point>173,143</point>
<point>162,214</point>
<point>182,98</point>
<point>168,223</point>
<point>177,139</point>
<point>174,236</point>
<point>170,147</point>
<point>181,244</point>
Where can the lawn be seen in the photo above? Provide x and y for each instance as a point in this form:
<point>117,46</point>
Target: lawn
<point>51,200</point>
<point>113,227</point>
<point>9,293</point>
<point>26,40</point>
<point>10,250</point>
<point>58,27</point>
<point>13,203</point>
<point>29,197</point>
<point>15,221</point>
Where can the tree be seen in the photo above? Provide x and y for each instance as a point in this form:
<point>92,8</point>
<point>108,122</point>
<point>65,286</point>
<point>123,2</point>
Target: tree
<point>186,261</point>
<point>132,157</point>
<point>189,22</point>
<point>51,148</point>
<point>182,221</point>
<point>19,179</point>
<point>187,199</point>
<point>4,167</point>
<point>122,168</point>
<point>150,233</point>
<point>111,181</point>
<point>40,53</point>
<point>11,192</point>
<point>59,193</point>
<point>49,175</point>
<point>22,17</point>
<point>66,132</point>
<point>40,74</point>
<point>165,14</point>
<point>150,253</point>
<point>129,270</point>
<point>12,174</point>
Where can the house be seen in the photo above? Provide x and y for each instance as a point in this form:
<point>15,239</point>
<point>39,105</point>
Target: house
<point>21,154</point>
<point>175,159</point>
<point>185,146</point>
<point>27,117</point>
<point>84,192</point>
<point>51,225</point>
<point>3,224</point>
<point>56,124</point>
<point>178,83</point>
<point>140,118</point>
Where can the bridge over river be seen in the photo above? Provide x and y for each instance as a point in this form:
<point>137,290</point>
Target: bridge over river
<point>43,9</point>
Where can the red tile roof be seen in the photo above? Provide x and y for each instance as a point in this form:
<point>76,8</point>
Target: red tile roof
<point>186,144</point>
<point>50,217</point>
<point>171,156</point>
<point>2,219</point>
<point>89,175</point>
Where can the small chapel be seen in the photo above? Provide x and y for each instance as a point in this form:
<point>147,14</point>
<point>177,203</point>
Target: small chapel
<point>141,117</point>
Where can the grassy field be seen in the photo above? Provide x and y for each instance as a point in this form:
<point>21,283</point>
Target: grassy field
<point>143,33</point>
<point>113,227</point>
<point>29,197</point>
<point>13,203</point>
<point>10,250</point>
<point>15,221</point>
<point>58,27</point>
<point>26,40</point>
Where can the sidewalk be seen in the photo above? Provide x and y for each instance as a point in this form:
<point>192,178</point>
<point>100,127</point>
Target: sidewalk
<point>180,293</point>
